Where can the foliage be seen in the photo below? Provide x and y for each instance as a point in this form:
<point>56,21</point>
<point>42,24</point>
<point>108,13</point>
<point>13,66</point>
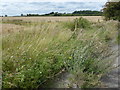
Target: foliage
<point>75,13</point>
<point>111,10</point>
<point>88,12</point>
<point>78,23</point>
<point>38,53</point>
<point>33,56</point>
<point>86,64</point>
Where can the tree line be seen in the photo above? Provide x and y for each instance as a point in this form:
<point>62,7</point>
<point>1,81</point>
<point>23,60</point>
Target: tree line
<point>75,13</point>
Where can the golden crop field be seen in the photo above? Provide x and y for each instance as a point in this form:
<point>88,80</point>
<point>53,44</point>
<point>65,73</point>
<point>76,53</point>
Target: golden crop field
<point>62,18</point>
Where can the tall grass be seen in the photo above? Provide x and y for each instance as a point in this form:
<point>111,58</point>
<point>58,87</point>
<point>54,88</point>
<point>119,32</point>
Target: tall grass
<point>41,51</point>
<point>33,56</point>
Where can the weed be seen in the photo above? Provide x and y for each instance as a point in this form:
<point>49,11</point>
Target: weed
<point>38,53</point>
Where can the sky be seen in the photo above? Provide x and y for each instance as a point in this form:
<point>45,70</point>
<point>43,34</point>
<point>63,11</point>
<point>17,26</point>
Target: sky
<point>18,7</point>
<point>53,0</point>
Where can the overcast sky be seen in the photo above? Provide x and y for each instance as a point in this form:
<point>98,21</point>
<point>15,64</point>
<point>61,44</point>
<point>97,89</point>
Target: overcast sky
<point>18,7</point>
<point>54,0</point>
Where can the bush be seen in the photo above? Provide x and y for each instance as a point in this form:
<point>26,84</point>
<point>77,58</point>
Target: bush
<point>78,23</point>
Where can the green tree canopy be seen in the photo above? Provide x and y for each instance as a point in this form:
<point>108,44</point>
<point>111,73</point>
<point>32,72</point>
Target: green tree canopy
<point>111,10</point>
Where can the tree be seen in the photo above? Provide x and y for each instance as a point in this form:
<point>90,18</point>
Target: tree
<point>5,15</point>
<point>111,10</point>
<point>21,14</point>
<point>51,13</point>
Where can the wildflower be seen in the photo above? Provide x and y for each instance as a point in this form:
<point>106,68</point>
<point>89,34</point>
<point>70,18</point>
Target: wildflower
<point>70,57</point>
<point>8,49</point>
<point>40,72</point>
<point>11,57</point>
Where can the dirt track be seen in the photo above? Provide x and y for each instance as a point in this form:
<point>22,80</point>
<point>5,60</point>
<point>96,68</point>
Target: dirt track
<point>111,80</point>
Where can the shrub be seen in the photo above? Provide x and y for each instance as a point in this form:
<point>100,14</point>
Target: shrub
<point>77,24</point>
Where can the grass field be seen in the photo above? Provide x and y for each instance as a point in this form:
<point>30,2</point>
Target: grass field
<point>36,49</point>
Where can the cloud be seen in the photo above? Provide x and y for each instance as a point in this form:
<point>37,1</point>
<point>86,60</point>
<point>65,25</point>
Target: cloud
<point>46,7</point>
<point>54,0</point>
